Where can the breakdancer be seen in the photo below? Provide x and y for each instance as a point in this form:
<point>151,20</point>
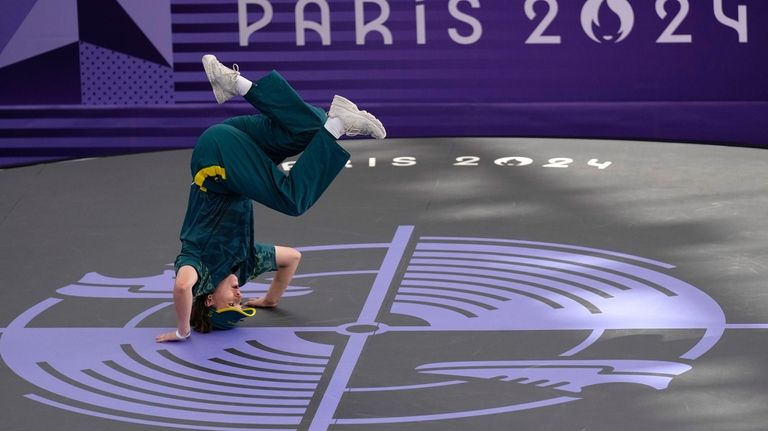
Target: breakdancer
<point>236,162</point>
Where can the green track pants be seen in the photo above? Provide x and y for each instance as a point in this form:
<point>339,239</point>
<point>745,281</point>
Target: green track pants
<point>241,155</point>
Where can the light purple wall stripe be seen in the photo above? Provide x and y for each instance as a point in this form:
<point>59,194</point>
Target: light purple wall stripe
<point>333,55</point>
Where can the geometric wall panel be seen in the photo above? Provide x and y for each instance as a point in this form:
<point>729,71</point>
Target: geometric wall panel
<point>112,78</point>
<point>106,23</point>
<point>45,79</point>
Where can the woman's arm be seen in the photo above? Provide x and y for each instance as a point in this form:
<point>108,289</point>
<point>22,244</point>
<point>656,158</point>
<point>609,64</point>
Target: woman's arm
<point>186,278</point>
<point>287,262</point>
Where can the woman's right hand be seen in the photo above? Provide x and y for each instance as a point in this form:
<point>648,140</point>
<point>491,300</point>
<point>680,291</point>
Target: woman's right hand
<point>169,336</point>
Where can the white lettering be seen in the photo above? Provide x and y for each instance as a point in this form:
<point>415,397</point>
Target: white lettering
<point>559,162</point>
<point>323,28</point>
<point>740,24</point>
<point>404,161</point>
<point>242,14</point>
<point>372,16</point>
<point>538,35</point>
<point>421,26</point>
<point>467,161</point>
<point>362,28</point>
<point>477,27</point>
<point>669,35</point>
<point>596,163</point>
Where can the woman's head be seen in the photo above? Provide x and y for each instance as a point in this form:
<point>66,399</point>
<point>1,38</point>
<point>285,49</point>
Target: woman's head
<point>226,296</point>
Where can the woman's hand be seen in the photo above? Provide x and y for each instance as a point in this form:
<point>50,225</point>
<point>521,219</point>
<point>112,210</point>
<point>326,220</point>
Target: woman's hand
<point>261,303</point>
<point>170,336</point>
<point>186,277</point>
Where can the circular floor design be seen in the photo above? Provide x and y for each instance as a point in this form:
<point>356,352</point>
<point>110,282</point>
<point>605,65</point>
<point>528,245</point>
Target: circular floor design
<point>447,283</point>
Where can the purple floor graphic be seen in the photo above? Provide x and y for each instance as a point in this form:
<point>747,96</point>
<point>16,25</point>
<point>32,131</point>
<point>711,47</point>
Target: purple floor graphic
<point>277,376</point>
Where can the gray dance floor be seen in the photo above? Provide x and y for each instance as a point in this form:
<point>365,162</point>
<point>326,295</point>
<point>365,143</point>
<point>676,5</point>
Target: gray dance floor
<point>446,284</point>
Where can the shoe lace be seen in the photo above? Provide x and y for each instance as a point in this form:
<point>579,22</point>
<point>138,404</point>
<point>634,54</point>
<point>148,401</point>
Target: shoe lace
<point>233,76</point>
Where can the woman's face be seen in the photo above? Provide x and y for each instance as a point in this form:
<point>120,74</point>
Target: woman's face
<point>227,294</point>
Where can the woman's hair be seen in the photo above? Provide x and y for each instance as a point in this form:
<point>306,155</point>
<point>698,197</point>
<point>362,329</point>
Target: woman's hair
<point>199,319</point>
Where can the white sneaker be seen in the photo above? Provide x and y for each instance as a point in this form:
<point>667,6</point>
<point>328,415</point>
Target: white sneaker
<point>222,79</point>
<point>341,105</point>
<point>355,121</point>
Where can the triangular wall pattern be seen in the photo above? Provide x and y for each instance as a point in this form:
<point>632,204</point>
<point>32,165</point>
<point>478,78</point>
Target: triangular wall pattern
<point>49,25</point>
<point>12,18</point>
<point>153,18</point>
<point>105,23</point>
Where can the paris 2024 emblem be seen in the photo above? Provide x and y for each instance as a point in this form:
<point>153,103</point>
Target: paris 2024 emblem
<point>420,289</point>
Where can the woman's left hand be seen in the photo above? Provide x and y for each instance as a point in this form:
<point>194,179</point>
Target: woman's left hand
<point>260,303</point>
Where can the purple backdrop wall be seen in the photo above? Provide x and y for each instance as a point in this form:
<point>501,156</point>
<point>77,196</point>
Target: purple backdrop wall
<point>94,77</point>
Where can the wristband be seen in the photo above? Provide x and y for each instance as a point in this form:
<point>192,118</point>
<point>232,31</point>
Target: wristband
<point>182,337</point>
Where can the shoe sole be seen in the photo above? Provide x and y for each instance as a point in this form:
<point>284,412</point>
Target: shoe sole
<point>378,131</point>
<point>208,62</point>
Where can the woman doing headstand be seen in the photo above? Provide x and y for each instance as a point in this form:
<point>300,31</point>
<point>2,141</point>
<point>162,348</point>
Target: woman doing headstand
<point>235,163</point>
